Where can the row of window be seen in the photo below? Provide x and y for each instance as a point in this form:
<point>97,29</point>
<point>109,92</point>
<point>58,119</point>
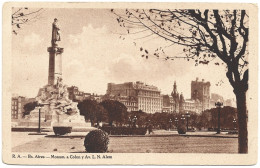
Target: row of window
<point>131,109</point>
<point>15,116</point>
<point>149,100</point>
<point>148,93</point>
<point>150,107</point>
<point>14,102</point>
<point>151,111</point>
<point>16,111</point>
<point>129,103</point>
<point>14,107</point>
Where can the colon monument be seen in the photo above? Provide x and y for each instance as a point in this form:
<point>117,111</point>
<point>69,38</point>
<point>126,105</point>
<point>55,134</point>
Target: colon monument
<point>55,106</point>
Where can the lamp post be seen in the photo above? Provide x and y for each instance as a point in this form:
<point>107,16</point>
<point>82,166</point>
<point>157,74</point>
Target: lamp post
<point>134,121</point>
<point>187,116</point>
<point>182,118</point>
<point>129,121</point>
<point>234,123</point>
<point>218,104</point>
<point>39,105</point>
<point>176,122</point>
<point>39,124</point>
<point>170,121</point>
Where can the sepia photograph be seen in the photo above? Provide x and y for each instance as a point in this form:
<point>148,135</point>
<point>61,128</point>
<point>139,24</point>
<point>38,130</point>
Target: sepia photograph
<point>125,83</point>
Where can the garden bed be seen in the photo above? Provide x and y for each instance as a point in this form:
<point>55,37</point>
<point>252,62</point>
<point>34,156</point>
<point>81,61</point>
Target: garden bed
<point>124,130</point>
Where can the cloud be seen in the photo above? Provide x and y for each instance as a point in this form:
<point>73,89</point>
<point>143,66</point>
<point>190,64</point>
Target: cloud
<point>29,73</point>
<point>96,56</point>
<point>107,58</point>
<point>32,40</point>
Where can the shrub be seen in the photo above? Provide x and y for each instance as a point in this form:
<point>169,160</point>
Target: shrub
<point>61,130</point>
<point>233,132</point>
<point>182,129</point>
<point>124,130</point>
<point>96,141</point>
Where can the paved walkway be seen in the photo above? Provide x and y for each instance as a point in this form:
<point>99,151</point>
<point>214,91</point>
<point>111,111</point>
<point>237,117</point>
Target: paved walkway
<point>22,142</point>
<point>197,133</point>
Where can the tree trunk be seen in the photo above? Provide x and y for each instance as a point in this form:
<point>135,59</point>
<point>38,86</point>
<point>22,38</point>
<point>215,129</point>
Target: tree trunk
<point>242,122</point>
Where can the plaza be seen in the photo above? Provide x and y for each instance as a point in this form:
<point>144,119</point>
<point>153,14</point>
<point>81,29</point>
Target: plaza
<point>159,142</point>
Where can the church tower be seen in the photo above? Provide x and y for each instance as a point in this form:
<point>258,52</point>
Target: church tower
<point>200,91</point>
<point>175,96</point>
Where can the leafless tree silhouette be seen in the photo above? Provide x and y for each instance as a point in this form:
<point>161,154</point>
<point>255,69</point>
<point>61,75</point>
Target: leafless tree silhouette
<point>204,35</point>
<point>21,16</point>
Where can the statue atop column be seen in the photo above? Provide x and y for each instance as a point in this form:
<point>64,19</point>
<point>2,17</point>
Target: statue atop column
<point>55,33</point>
<point>58,109</point>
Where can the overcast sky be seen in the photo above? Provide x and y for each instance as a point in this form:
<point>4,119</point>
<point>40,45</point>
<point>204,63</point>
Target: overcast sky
<point>94,55</point>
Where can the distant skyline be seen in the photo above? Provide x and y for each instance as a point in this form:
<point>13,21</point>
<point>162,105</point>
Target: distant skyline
<point>94,55</point>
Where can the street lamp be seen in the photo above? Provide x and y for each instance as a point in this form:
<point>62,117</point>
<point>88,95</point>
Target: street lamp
<point>187,116</point>
<point>170,124</point>
<point>134,121</point>
<point>176,122</point>
<point>40,105</point>
<point>234,123</point>
<point>182,118</point>
<point>129,121</point>
<point>218,104</point>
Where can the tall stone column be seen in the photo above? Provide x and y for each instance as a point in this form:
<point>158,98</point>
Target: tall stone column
<point>55,64</point>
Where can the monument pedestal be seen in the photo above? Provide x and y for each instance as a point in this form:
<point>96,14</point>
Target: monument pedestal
<point>56,110</point>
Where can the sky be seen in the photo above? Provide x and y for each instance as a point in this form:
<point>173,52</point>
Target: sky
<point>95,53</point>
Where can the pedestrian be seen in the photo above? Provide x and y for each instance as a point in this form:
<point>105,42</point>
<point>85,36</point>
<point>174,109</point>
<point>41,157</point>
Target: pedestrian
<point>150,129</point>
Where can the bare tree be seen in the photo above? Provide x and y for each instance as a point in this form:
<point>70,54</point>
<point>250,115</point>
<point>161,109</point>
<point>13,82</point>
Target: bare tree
<point>204,35</point>
<point>21,16</point>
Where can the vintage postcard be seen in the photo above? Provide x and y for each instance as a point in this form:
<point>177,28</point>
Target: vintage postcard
<point>130,83</point>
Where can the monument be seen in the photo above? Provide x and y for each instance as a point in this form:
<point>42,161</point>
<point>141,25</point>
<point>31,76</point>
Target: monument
<point>56,108</point>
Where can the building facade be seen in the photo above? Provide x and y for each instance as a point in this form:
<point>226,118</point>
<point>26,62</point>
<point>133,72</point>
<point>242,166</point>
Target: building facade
<point>130,102</point>
<point>231,103</point>
<point>17,106</point>
<point>76,95</point>
<point>214,98</point>
<point>137,96</point>
<point>173,103</point>
<point>192,106</point>
<point>200,90</point>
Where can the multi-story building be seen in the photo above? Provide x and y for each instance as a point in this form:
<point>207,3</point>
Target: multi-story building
<point>230,102</point>
<point>214,98</point>
<point>144,97</point>
<point>200,90</point>
<point>173,103</point>
<point>96,97</point>
<point>17,106</point>
<point>166,104</point>
<point>129,101</point>
<point>193,106</point>
<point>76,95</point>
